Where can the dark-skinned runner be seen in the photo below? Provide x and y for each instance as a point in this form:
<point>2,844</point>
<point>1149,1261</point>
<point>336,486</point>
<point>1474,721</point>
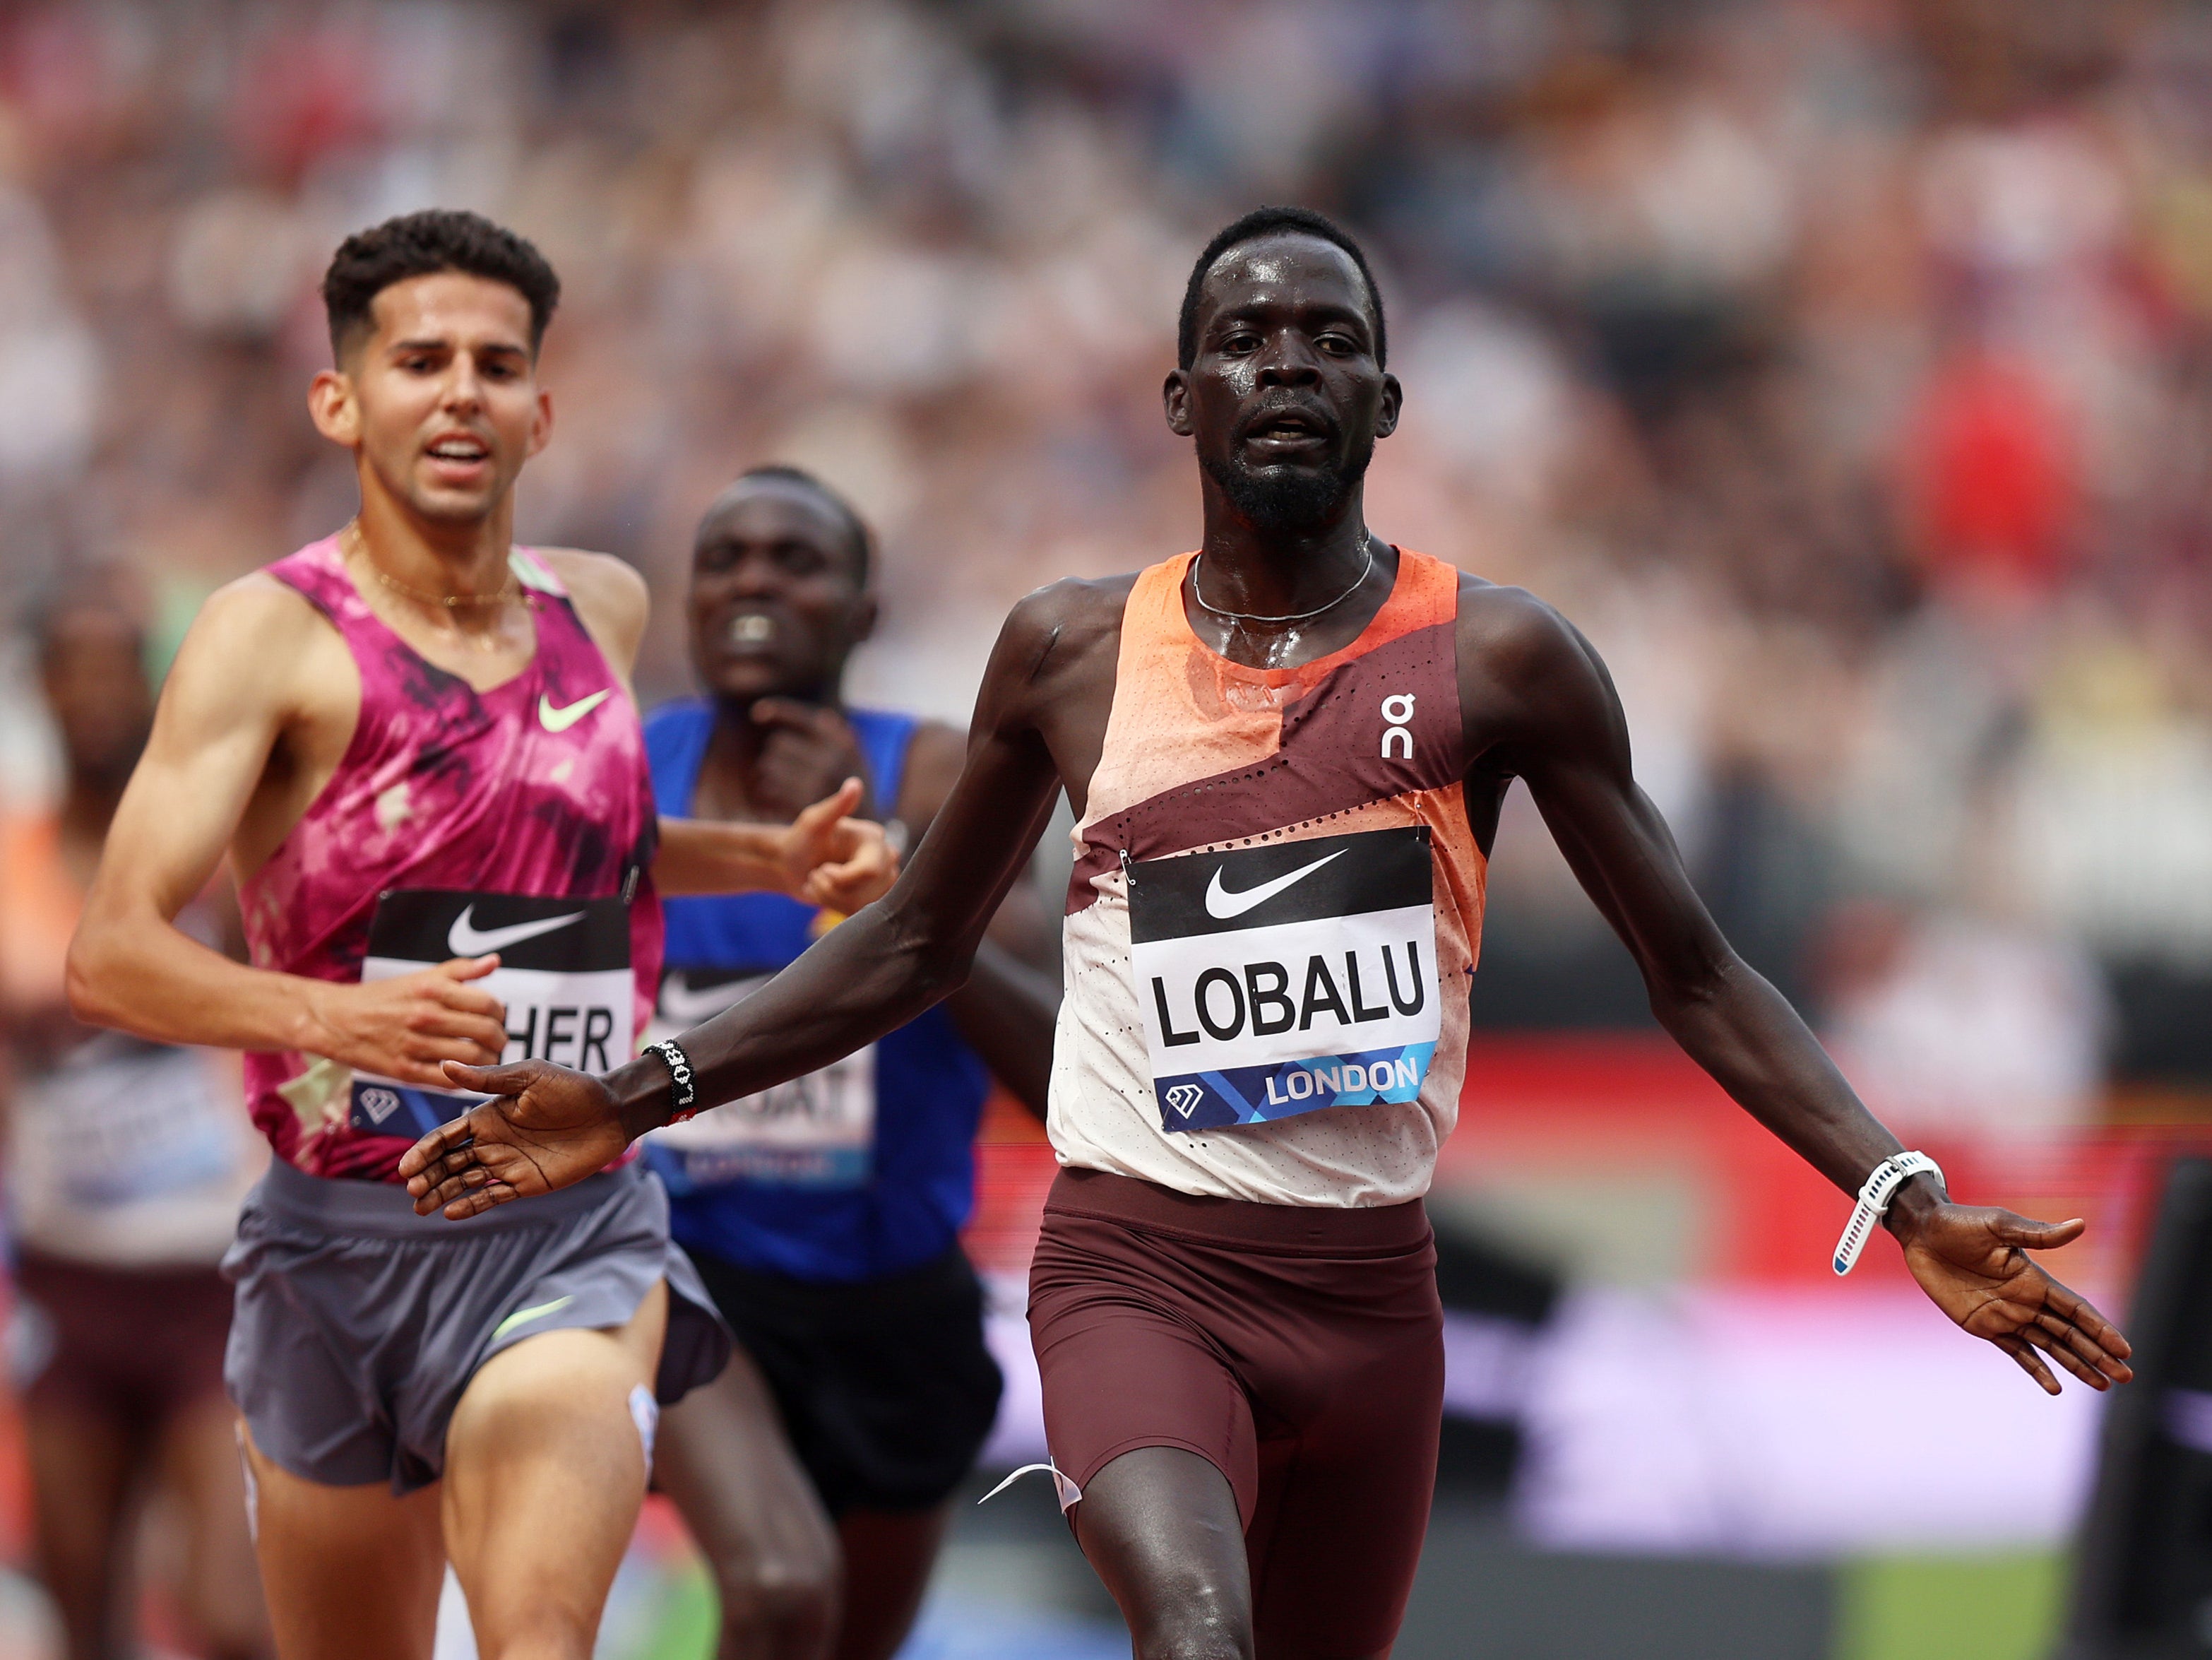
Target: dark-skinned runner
<point>816,1472</point>
<point>1286,753</point>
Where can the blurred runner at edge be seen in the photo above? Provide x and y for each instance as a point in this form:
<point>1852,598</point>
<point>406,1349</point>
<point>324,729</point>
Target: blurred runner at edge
<point>126,1162</point>
<point>824,1214</point>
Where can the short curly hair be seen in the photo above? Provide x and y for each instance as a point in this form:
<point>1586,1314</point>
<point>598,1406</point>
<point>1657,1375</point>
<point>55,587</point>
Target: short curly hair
<point>421,245</point>
<point>1271,222</point>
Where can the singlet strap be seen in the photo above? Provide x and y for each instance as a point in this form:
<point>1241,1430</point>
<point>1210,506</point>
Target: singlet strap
<point>676,737</point>
<point>532,570</point>
<point>885,738</point>
<point>317,573</point>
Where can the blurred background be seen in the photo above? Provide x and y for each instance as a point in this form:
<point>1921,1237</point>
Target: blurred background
<point>1843,367</point>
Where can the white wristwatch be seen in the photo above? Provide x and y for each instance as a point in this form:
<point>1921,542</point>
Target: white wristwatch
<point>1881,1187</point>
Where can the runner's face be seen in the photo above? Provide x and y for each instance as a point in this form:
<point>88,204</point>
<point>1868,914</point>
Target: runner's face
<point>776,605</point>
<point>1283,397</point>
<point>445,397</point>
<point>96,686</point>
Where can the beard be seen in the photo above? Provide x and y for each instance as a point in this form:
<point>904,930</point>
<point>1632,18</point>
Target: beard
<point>1284,499</point>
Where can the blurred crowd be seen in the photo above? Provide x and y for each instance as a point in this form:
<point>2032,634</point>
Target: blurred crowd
<point>1844,368</point>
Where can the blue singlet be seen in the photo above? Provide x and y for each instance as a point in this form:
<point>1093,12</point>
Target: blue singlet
<point>863,1170</point>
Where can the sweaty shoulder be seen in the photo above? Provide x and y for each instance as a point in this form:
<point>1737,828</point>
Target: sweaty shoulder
<point>1067,622</point>
<point>610,598</point>
<point>1526,674</point>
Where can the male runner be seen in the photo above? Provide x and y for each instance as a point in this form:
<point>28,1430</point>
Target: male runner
<point>418,745</point>
<point>824,1215</point>
<point>1287,752</point>
<point>126,1164</point>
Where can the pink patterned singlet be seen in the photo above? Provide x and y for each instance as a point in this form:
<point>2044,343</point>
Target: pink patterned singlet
<point>518,820</point>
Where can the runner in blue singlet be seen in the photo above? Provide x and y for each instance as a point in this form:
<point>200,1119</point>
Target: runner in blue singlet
<point>824,1215</point>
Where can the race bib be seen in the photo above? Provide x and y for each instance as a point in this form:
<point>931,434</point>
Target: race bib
<point>563,974</point>
<point>1281,979</point>
<point>819,1131</point>
<point>120,1122</point>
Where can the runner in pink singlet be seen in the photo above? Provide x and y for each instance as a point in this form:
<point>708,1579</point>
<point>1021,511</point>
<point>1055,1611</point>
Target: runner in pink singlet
<point>536,789</point>
<point>416,746</point>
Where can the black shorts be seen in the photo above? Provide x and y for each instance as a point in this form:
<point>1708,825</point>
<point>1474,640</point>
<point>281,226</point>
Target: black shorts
<point>886,1387</point>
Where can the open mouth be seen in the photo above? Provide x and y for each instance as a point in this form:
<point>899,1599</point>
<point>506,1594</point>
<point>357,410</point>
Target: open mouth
<point>1287,427</point>
<point>460,450</point>
<point>750,629</point>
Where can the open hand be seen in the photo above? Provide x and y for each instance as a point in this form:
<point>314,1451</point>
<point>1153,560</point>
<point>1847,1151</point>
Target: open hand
<point>1973,1263</point>
<point>548,1127</point>
<point>835,861</point>
<point>405,1027</point>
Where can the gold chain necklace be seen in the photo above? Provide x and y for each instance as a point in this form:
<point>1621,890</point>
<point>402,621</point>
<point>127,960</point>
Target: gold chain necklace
<point>352,542</point>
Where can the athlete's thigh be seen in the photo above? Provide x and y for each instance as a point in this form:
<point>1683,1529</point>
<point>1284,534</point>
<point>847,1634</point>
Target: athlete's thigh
<point>222,1592</point>
<point>1343,1508</point>
<point>350,1574</point>
<point>546,1472</point>
<point>723,1458</point>
<point>84,1463</point>
<point>1160,1527</point>
<point>888,1557</point>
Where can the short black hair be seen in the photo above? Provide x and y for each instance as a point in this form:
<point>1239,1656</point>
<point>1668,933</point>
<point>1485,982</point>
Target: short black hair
<point>862,539</point>
<point>421,245</point>
<point>1267,222</point>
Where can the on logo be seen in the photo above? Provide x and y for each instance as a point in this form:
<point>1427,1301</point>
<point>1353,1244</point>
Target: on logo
<point>1398,715</point>
<point>379,1105</point>
<point>1185,1097</point>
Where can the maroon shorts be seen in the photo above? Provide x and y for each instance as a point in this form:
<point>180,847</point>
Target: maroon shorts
<point>1299,1350</point>
<point>141,1344</point>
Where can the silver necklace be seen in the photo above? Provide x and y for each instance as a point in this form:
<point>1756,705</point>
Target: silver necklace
<point>1294,616</point>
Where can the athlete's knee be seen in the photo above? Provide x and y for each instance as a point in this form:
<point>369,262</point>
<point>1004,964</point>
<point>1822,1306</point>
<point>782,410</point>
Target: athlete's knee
<point>228,1617</point>
<point>1191,1619</point>
<point>781,1603</point>
<point>1187,1611</point>
<point>551,1637</point>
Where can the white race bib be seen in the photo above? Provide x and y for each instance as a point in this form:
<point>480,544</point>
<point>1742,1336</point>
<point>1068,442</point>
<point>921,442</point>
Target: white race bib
<point>564,977</point>
<point>119,1122</point>
<point>817,1131</point>
<point>1286,978</point>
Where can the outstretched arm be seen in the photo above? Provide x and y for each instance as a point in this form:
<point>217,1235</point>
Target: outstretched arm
<point>867,976</point>
<point>1549,715</point>
<point>824,856</point>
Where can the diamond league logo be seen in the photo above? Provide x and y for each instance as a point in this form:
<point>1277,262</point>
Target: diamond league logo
<point>379,1105</point>
<point>1185,1097</point>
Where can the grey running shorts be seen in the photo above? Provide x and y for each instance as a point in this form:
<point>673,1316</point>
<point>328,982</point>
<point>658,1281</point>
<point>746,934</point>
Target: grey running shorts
<point>359,1324</point>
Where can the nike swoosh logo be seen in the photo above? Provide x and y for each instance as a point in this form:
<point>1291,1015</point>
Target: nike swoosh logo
<point>1221,904</point>
<point>555,719</point>
<point>467,939</point>
<point>524,1316</point>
